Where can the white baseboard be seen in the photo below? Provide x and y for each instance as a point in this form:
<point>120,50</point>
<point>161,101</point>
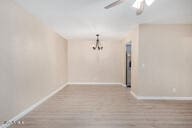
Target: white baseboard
<point>134,95</point>
<point>95,83</point>
<point>159,97</point>
<point>26,111</point>
<point>124,85</point>
<point>92,83</point>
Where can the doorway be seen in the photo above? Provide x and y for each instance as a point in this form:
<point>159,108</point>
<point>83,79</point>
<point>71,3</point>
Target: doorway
<point>128,64</point>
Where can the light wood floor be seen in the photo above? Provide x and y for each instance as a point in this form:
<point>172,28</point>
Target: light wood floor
<point>107,107</point>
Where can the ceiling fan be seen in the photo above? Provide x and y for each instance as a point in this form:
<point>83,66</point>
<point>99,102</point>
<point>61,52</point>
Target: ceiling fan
<point>138,4</point>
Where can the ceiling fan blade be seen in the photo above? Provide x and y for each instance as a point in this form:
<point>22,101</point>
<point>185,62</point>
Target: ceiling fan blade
<point>115,4</point>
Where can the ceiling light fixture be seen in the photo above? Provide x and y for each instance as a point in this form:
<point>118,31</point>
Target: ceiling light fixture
<point>98,44</point>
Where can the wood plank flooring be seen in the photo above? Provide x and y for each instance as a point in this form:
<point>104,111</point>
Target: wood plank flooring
<point>107,107</point>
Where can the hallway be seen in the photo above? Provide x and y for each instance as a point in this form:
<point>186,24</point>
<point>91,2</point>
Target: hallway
<point>107,107</point>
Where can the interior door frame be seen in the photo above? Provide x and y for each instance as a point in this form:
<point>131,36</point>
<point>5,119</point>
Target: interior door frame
<point>128,44</point>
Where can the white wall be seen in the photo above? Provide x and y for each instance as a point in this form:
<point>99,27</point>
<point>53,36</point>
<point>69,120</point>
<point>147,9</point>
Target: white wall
<point>33,60</point>
<point>87,65</point>
<point>166,53</point>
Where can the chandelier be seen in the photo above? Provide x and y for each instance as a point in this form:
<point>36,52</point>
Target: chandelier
<point>98,44</point>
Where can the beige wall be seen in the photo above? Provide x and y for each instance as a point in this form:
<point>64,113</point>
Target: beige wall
<point>87,65</point>
<point>161,60</point>
<point>33,60</point>
<point>165,60</point>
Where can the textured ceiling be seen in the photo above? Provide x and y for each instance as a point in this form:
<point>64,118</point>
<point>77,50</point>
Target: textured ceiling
<point>82,19</point>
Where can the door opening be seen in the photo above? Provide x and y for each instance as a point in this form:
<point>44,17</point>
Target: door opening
<point>128,64</point>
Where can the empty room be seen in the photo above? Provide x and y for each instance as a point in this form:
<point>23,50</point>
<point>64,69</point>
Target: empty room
<point>95,63</point>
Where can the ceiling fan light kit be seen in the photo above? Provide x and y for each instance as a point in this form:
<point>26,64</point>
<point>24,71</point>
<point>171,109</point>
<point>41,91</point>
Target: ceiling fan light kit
<point>138,4</point>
